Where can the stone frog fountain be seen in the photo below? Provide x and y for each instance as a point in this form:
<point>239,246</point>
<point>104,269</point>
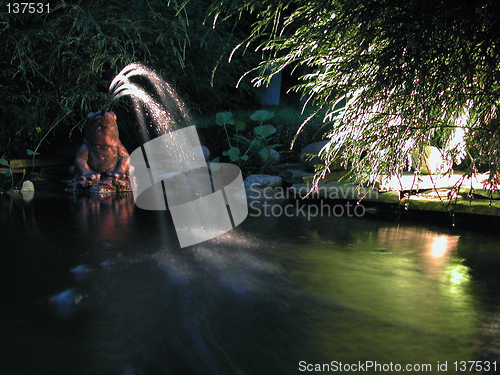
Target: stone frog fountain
<point>102,164</point>
<point>171,171</point>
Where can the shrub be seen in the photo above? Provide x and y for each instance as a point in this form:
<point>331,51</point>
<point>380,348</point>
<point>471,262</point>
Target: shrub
<point>56,67</point>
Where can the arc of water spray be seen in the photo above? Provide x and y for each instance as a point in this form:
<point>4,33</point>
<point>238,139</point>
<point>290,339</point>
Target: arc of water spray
<point>170,104</point>
<point>204,202</point>
<point>121,86</point>
<point>123,79</point>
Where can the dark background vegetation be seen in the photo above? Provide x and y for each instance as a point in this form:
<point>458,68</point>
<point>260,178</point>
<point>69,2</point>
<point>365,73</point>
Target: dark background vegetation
<point>411,71</point>
<point>55,68</point>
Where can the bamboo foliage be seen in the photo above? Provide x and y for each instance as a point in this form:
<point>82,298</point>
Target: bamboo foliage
<point>388,77</point>
<point>58,65</point>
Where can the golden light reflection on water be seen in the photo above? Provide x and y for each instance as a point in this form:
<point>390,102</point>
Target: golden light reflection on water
<point>409,277</point>
<point>430,249</point>
<point>458,274</point>
<point>439,247</point>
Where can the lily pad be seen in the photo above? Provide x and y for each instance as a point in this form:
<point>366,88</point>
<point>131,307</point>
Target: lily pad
<point>224,118</point>
<point>233,153</point>
<point>264,130</point>
<point>262,115</point>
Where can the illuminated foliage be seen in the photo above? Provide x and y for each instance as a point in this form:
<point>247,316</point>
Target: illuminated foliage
<point>388,76</point>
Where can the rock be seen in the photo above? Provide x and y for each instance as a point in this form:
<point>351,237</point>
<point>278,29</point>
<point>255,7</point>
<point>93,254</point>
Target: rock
<point>296,175</point>
<point>314,149</point>
<point>264,188</point>
<point>28,191</point>
<point>262,181</point>
<point>206,152</point>
<point>270,156</point>
<point>27,186</point>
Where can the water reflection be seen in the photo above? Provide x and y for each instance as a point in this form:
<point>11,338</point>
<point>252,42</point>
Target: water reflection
<point>440,246</point>
<point>396,277</point>
<point>258,299</point>
<point>432,249</point>
<point>104,219</point>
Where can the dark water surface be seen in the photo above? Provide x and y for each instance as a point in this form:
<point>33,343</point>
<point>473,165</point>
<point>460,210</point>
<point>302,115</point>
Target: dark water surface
<point>92,286</point>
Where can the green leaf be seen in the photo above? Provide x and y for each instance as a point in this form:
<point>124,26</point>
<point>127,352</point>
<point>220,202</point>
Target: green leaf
<point>4,162</point>
<point>31,152</point>
<point>224,118</point>
<point>264,130</point>
<point>233,153</point>
<point>239,125</point>
<point>262,115</point>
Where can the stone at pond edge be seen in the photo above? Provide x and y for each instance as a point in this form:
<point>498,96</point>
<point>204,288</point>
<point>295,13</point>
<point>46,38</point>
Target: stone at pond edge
<point>27,191</point>
<point>270,156</point>
<point>206,152</point>
<point>263,181</point>
<point>263,187</point>
<point>27,186</point>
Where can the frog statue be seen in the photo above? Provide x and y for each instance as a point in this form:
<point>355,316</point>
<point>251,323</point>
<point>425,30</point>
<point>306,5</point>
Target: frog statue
<point>102,164</point>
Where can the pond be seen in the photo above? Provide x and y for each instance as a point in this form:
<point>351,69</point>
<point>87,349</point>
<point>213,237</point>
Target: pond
<point>98,286</point>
